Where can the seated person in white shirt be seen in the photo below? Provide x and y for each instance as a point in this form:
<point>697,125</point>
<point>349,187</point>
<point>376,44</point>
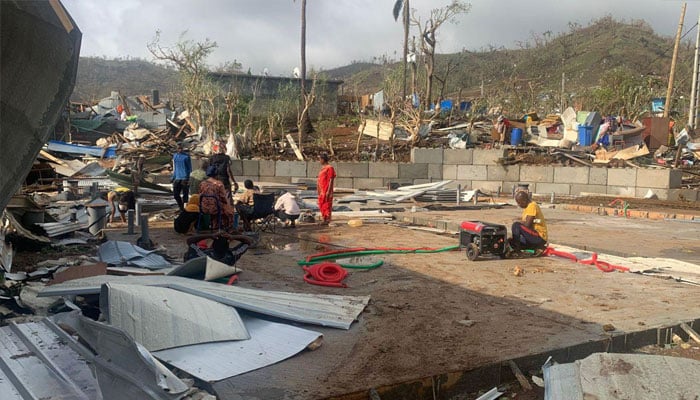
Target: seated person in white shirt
<point>287,209</point>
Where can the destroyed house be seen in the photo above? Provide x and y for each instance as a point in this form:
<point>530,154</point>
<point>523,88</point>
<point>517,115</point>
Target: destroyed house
<point>269,90</point>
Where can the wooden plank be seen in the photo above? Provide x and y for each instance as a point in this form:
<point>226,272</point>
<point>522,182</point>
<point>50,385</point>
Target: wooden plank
<point>292,143</point>
<point>519,375</point>
<point>693,335</point>
<point>374,128</point>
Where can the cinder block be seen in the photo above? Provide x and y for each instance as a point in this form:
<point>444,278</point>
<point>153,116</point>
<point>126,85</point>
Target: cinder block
<point>487,156</point>
<point>578,189</point>
<point>435,172</point>
<point>389,182</point>
<point>598,176</point>
<point>237,167</point>
<point>472,172</point>
<point>557,188</point>
<point>532,173</point>
<point>571,175</point>
<point>413,171</point>
<point>368,183</point>
<point>252,168</point>
<point>426,156</point>
<point>486,186</point>
<point>684,195</point>
<point>622,177</point>
<point>457,156</point>
<point>383,170</point>
<point>661,194</point>
<point>274,179</point>
<point>267,167</point>
<point>503,172</point>
<point>449,171</point>
<point>659,178</point>
<point>313,168</point>
<point>290,168</point>
<point>466,184</point>
<point>344,183</point>
<point>352,169</point>
<point>623,191</point>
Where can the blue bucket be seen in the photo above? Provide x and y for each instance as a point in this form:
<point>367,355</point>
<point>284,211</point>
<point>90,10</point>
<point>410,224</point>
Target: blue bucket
<point>585,135</point>
<point>516,137</point>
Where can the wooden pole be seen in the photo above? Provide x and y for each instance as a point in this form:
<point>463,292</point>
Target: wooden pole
<point>667,105</point>
<point>693,111</point>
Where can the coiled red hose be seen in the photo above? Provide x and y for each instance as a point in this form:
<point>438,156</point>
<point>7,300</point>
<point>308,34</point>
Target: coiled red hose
<point>601,265</point>
<point>325,274</point>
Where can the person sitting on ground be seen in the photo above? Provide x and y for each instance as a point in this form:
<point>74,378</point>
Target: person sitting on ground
<point>530,233</point>
<point>188,217</point>
<point>211,193</point>
<point>126,201</point>
<point>244,205</point>
<point>216,246</point>
<point>287,209</point>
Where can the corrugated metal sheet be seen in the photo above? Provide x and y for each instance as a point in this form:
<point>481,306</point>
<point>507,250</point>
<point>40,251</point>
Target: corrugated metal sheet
<point>125,253</point>
<point>327,310</point>
<point>161,318</point>
<point>270,343</point>
<point>124,368</point>
<point>35,363</point>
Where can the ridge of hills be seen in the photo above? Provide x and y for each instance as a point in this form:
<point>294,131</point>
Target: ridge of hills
<point>583,54</point>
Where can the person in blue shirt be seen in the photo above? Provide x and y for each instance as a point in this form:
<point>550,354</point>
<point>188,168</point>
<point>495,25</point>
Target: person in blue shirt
<point>182,168</point>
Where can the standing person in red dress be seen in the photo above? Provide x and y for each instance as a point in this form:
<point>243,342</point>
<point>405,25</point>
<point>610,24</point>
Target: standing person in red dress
<point>326,178</point>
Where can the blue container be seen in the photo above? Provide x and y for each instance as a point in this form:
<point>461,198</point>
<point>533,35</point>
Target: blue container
<point>516,137</point>
<point>585,135</point>
<point>657,104</point>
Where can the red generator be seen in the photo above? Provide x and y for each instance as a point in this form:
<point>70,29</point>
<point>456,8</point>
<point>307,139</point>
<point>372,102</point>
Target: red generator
<point>482,238</point>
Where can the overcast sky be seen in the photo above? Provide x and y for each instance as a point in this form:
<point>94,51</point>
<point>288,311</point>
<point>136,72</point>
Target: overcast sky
<point>265,33</point>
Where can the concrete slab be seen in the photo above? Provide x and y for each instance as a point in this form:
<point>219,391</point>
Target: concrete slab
<point>435,172</point>
<point>622,177</point>
<point>487,157</point>
<point>449,171</point>
<point>659,178</point>
<point>598,176</point>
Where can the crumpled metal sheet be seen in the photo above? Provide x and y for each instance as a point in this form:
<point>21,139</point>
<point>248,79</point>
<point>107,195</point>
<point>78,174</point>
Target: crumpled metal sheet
<point>36,363</point>
<point>326,310</point>
<point>124,368</point>
<point>269,343</point>
<point>124,253</point>
<point>161,318</point>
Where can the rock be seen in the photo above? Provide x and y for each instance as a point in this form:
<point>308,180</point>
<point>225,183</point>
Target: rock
<point>518,271</point>
<point>608,327</point>
<point>466,322</point>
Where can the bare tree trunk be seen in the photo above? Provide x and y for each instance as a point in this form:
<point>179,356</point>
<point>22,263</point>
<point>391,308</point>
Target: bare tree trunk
<point>304,125</point>
<point>406,26</point>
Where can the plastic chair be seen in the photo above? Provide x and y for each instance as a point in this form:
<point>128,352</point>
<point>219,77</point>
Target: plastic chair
<point>263,218</point>
<point>218,213</point>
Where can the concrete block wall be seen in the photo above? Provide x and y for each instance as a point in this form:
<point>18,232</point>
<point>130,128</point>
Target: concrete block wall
<point>478,169</point>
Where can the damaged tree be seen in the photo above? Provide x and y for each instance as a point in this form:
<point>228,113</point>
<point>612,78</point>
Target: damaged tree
<point>438,16</point>
<point>190,60</point>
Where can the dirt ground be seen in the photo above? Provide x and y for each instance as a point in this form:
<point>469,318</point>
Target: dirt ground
<point>414,325</point>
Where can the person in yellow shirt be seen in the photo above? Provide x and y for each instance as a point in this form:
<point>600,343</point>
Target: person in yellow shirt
<point>531,231</point>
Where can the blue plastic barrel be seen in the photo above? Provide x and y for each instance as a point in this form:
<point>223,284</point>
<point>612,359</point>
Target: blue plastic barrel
<point>585,135</point>
<point>516,136</point>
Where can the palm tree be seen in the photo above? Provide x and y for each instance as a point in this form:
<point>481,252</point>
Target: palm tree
<point>406,26</point>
